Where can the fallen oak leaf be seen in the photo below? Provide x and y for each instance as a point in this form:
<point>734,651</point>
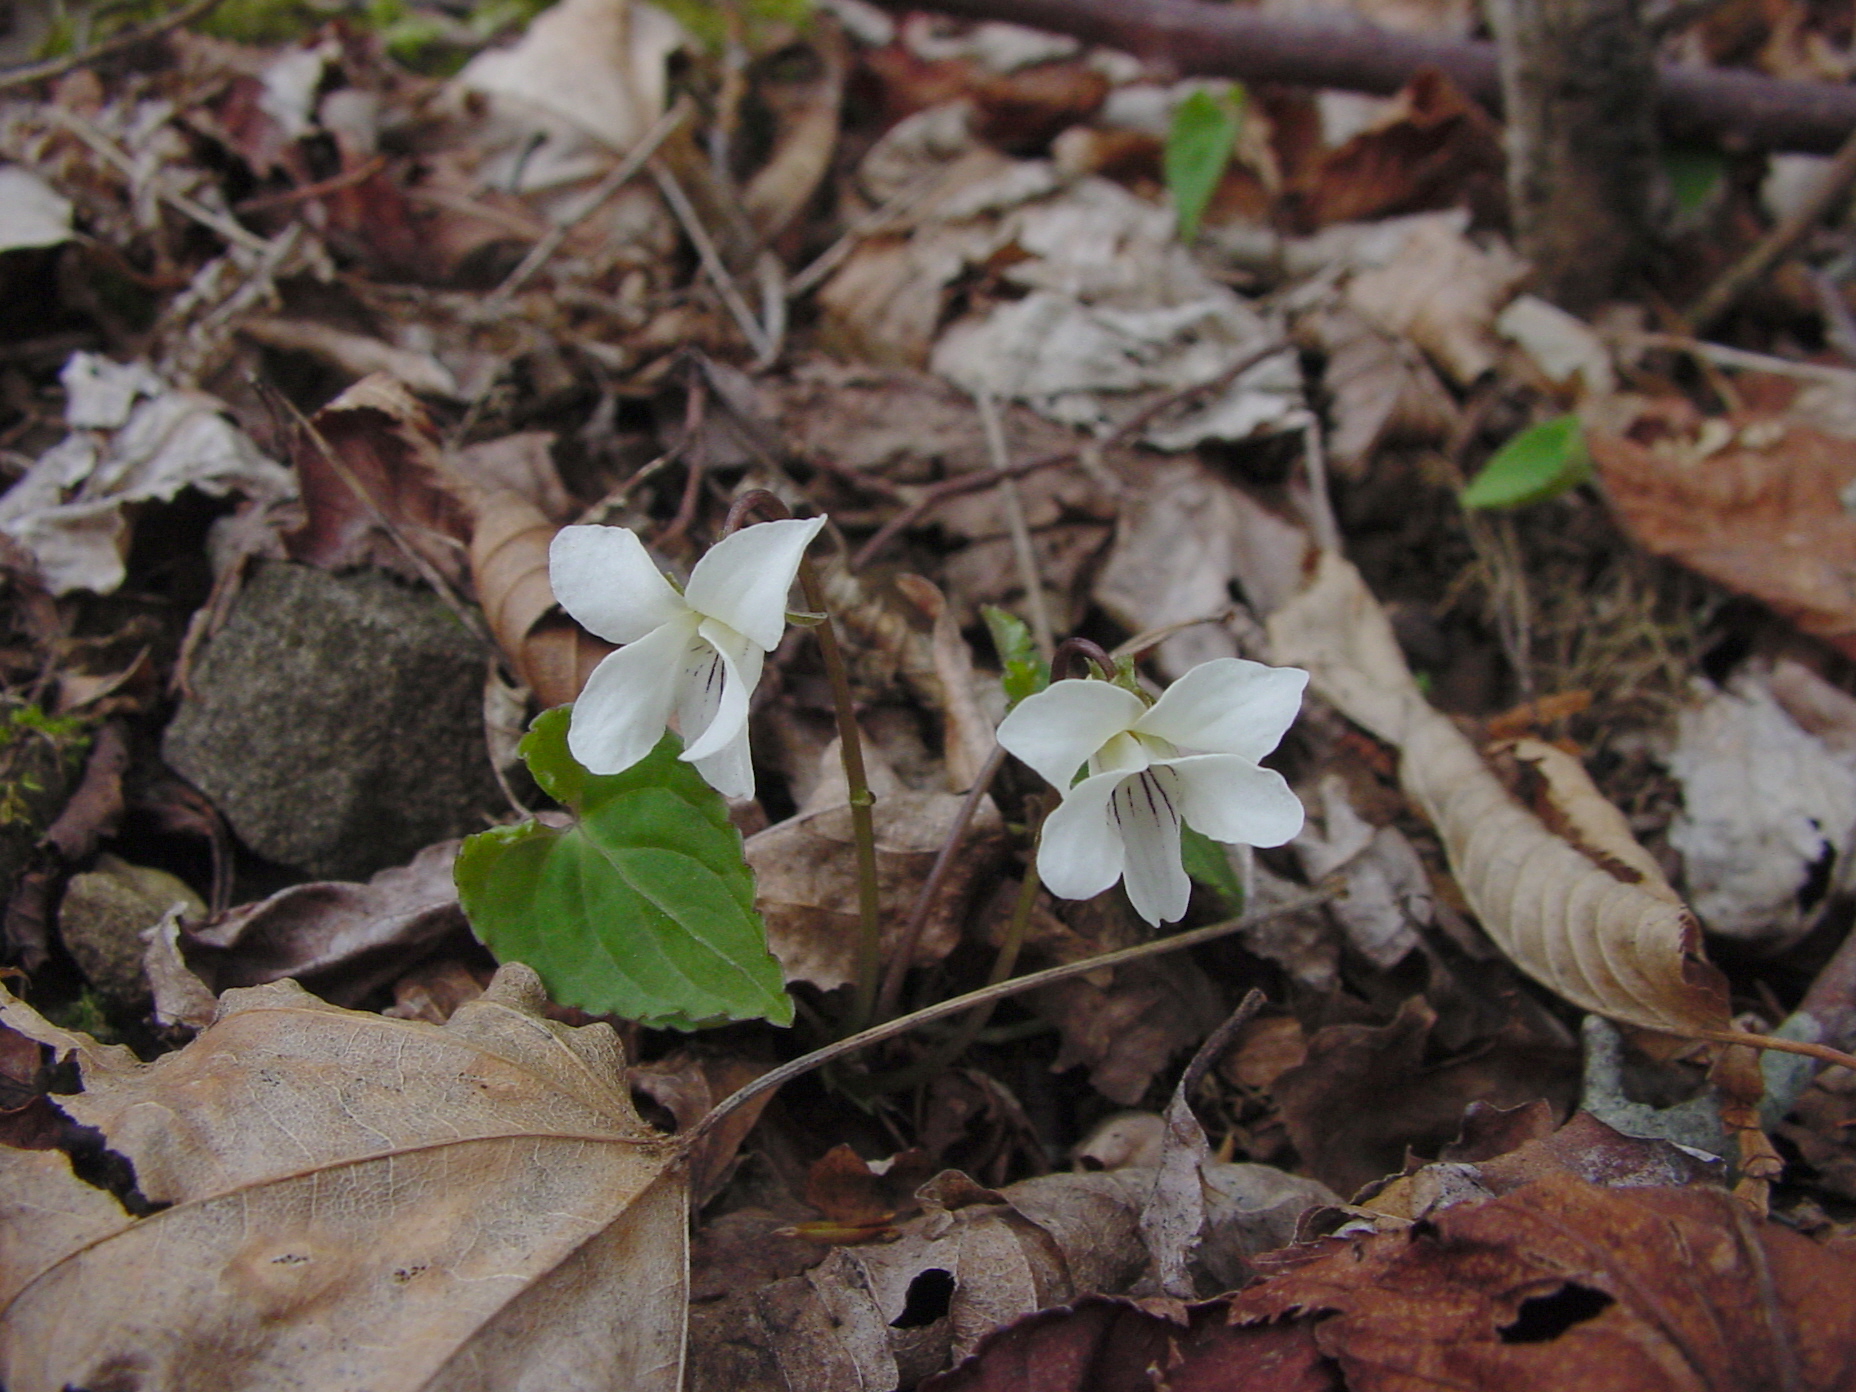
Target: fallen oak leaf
<point>480,1199</point>
<point>1603,936</point>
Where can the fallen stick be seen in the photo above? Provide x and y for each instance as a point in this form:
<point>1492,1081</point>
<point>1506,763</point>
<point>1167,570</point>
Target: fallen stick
<point>1197,39</point>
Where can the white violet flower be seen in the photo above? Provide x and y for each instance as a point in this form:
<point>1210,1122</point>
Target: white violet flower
<point>697,654</point>
<point>1191,757</point>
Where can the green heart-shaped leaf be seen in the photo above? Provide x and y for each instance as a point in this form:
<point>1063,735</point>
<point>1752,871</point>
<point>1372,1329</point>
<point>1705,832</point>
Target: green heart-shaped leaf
<point>644,907</point>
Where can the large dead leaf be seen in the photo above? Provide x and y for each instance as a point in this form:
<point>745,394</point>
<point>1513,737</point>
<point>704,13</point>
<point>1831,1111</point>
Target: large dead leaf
<point>347,1200</point>
<point>1584,913</point>
<point>1754,505</point>
<point>1562,1284</point>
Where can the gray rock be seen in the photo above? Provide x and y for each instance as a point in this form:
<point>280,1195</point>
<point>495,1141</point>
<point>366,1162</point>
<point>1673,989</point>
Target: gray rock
<point>103,915</point>
<point>338,722</point>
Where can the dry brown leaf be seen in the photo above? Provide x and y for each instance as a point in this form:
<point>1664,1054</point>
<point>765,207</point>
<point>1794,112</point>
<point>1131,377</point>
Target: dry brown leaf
<point>1433,148</point>
<point>1590,928</point>
<point>351,1200</point>
<point>1365,1097</point>
<point>341,939</point>
<point>1184,536</point>
<point>383,443</point>
<point>1381,388</point>
<point>1762,513</point>
<point>966,732</point>
<point>807,881</point>
<point>357,355</point>
<point>1124,1346</point>
<point>1444,292</point>
<point>1563,1284</point>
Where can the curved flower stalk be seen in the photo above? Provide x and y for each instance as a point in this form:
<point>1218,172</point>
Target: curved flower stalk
<point>1191,757</point>
<point>696,654</point>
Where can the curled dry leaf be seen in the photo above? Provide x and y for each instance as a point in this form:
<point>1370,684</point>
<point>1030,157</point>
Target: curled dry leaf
<point>346,1200</point>
<point>339,938</point>
<point>1557,1283</point>
<point>375,439</point>
<point>1585,916</point>
<point>1756,505</point>
<point>885,1314</point>
<point>509,562</point>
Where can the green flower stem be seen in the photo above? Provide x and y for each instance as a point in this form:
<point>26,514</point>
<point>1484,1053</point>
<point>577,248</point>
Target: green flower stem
<point>863,819</point>
<point>1017,986</point>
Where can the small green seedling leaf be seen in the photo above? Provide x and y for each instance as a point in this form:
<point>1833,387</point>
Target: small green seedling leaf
<point>1541,462</point>
<point>1198,147</point>
<point>643,908</point>
<point>1026,672</point>
<point>1209,865</point>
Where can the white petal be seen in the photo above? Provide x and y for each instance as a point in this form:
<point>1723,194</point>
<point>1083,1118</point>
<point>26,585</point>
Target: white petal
<point>1080,853</point>
<point>730,771</point>
<point>743,579</point>
<point>1057,730</point>
<point>1145,809</point>
<point>1228,706</point>
<point>1230,799</point>
<point>605,578</point>
<point>712,707</point>
<point>621,712</point>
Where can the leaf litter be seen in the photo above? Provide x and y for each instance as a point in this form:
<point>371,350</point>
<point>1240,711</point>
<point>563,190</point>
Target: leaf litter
<point>409,298</point>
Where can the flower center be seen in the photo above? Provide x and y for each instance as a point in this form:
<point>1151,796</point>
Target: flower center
<point>1130,752</point>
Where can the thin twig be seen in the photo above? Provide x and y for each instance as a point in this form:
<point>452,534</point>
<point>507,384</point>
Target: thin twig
<point>1218,1041</point>
<point>1822,1052</point>
<point>58,67</point>
<point>1130,429</point>
<point>1022,553</point>
<point>712,262</point>
<point>876,1034</point>
<point>931,887</point>
<point>304,193</point>
<point>1320,501</point>
<point>1741,358</point>
<point>877,220</point>
<point>1834,183</point>
<point>661,130</point>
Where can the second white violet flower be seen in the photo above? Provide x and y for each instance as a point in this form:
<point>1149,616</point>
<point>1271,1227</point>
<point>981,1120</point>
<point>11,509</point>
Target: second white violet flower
<point>1190,758</point>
